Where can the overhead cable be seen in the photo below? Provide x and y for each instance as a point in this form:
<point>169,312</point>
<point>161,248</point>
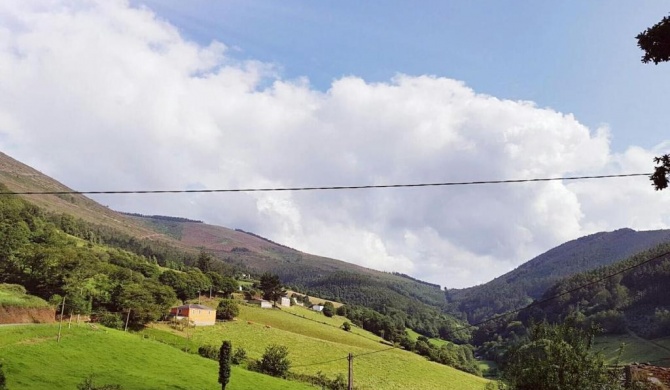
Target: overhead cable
<point>323,188</point>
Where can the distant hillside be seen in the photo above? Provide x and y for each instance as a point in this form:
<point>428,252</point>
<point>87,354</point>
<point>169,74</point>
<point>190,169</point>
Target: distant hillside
<point>635,302</point>
<point>172,241</point>
<point>530,280</point>
<point>321,276</point>
<point>18,177</point>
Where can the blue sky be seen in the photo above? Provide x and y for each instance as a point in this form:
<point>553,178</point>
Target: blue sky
<point>134,94</point>
<point>574,56</point>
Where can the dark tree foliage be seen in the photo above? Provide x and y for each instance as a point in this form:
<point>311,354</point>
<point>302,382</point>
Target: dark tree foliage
<point>655,42</point>
<point>209,352</point>
<point>275,361</point>
<point>3,379</point>
<point>328,309</point>
<point>660,176</point>
<point>635,300</point>
<point>271,287</point>
<point>227,309</point>
<point>555,358</point>
<point>224,363</point>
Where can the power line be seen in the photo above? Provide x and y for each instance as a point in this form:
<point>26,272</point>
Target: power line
<point>323,188</point>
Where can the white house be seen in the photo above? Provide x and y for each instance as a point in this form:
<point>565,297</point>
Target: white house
<point>285,301</point>
<point>317,307</point>
<point>262,303</point>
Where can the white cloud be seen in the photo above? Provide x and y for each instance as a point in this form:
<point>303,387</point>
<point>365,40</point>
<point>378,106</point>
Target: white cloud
<point>101,95</point>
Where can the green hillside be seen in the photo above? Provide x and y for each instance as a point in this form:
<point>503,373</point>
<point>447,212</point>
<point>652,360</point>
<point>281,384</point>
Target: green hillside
<point>529,281</point>
<point>15,295</point>
<point>313,338</point>
<point>34,361</point>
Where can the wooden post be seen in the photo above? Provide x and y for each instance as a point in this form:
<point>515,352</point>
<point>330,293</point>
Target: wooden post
<point>60,323</point>
<point>69,321</point>
<point>350,386</point>
<point>127,319</point>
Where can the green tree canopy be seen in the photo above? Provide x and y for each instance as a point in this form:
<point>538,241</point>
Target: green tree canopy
<point>227,309</point>
<point>271,287</point>
<point>557,357</point>
<point>275,361</point>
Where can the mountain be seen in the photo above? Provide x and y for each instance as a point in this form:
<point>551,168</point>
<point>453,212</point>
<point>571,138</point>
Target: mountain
<point>530,280</point>
<point>176,242</point>
<point>634,300</point>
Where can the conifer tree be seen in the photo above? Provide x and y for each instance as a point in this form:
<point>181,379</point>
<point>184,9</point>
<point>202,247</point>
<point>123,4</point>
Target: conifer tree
<point>224,363</point>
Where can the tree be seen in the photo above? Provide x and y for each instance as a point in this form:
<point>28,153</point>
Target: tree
<point>557,357</point>
<point>660,176</point>
<point>3,380</point>
<point>224,363</point>
<point>328,309</point>
<point>275,361</point>
<point>271,287</point>
<point>346,326</point>
<point>227,309</point>
<point>655,42</point>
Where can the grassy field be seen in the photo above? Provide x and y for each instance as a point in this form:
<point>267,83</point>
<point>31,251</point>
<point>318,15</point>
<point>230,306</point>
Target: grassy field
<point>656,351</point>
<point>15,295</point>
<point>313,338</point>
<point>414,336</point>
<point>33,360</point>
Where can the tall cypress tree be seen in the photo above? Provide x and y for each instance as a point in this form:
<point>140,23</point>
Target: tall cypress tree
<point>225,355</point>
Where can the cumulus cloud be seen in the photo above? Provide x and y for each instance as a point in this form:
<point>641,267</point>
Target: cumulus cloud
<point>101,95</point>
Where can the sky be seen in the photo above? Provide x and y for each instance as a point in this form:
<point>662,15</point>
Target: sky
<point>161,95</point>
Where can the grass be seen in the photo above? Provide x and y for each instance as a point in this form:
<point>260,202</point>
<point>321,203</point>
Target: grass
<point>15,296</point>
<point>415,336</point>
<point>313,338</point>
<point>635,350</point>
<point>33,360</point>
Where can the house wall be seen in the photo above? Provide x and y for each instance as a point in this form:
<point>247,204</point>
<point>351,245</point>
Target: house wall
<point>201,317</point>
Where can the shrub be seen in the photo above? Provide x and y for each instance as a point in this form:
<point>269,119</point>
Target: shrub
<point>89,384</point>
<point>227,310</point>
<point>328,309</point>
<point>346,326</point>
<point>3,380</point>
<point>239,356</point>
<point>209,352</point>
<point>110,320</point>
<point>274,361</point>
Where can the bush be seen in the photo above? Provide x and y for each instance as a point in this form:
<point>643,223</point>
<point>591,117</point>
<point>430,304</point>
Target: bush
<point>89,384</point>
<point>239,356</point>
<point>209,352</point>
<point>328,309</point>
<point>274,361</point>
<point>227,309</point>
<point>3,380</point>
<point>346,326</point>
<point>110,320</point>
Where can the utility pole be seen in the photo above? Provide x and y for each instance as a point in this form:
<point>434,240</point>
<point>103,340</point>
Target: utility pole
<point>127,319</point>
<point>60,323</point>
<point>350,386</point>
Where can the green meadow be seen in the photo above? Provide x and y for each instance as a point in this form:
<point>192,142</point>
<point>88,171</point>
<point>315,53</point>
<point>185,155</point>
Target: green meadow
<point>313,338</point>
<point>34,361</point>
<point>655,351</point>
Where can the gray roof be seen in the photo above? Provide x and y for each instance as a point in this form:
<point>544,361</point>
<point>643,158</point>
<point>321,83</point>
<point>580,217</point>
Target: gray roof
<point>194,306</point>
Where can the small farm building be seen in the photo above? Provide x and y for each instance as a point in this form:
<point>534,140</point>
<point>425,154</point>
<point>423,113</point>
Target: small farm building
<point>199,315</point>
<point>262,303</point>
<point>285,301</point>
<point>317,307</point>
